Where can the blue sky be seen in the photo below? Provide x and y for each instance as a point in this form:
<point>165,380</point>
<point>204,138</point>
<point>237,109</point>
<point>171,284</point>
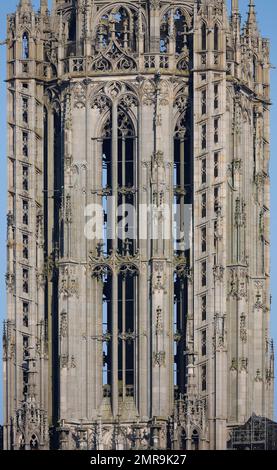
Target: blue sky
<point>267,12</point>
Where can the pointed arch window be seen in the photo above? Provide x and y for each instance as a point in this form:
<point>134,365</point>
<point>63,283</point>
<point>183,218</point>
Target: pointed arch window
<point>181,28</point>
<point>182,196</point>
<point>164,34</point>
<point>34,442</point>
<point>216,37</point>
<point>203,37</point>
<point>174,24</point>
<point>122,27</point>
<point>119,288</point>
<point>195,440</point>
<point>25,46</point>
<point>118,25</point>
<point>72,28</point>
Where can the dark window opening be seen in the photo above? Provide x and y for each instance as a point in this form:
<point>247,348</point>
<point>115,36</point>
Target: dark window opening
<point>216,199</point>
<point>203,205</point>
<point>203,37</point>
<point>179,328</point>
<point>25,115</point>
<point>195,440</point>
<point>204,137</point>
<point>204,307</point>
<point>204,273</point>
<point>72,28</point>
<point>126,328</point>
<point>106,331</point>
<point>203,102</point>
<point>216,96</point>
<point>25,149</point>
<point>34,442</point>
<point>25,249</point>
<point>216,131</point>
<point>25,341</point>
<point>216,165</point>
<point>203,171</point>
<point>25,279</point>
<point>25,67</point>
<point>216,38</point>
<point>203,239</point>
<point>25,212</point>
<point>25,178</point>
<point>25,314</point>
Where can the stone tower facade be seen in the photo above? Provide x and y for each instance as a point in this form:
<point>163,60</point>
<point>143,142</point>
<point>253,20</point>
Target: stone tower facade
<point>139,341</point>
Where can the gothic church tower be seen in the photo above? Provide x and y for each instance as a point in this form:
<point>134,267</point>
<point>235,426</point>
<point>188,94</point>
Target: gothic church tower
<point>125,342</point>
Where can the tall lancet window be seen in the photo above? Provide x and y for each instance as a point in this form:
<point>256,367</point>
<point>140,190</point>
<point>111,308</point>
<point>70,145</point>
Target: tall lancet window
<point>127,288</point>
<point>25,46</point>
<point>107,330</point>
<point>203,37</point>
<point>216,38</point>
<point>182,195</point>
<point>126,178</point>
<point>181,32</point>
<point>119,285</point>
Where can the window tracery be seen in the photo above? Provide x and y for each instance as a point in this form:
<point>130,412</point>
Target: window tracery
<point>119,26</point>
<point>117,271</point>
<point>175,25</point>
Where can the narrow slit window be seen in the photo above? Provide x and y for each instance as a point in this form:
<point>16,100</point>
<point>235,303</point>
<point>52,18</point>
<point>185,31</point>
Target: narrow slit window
<point>25,314</point>
<point>25,115</point>
<point>204,136</point>
<point>216,96</point>
<point>215,233</point>
<point>203,239</point>
<point>216,38</point>
<point>203,37</point>
<point>203,171</point>
<point>203,273</point>
<point>216,165</point>
<point>25,149</point>
<point>25,249</point>
<point>216,199</point>
<point>25,213</point>
<point>25,284</point>
<point>203,205</point>
<point>216,131</point>
<point>203,343</point>
<point>203,102</point>
<point>204,307</point>
<point>204,378</point>
<point>25,46</point>
<point>25,341</point>
<point>25,178</point>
